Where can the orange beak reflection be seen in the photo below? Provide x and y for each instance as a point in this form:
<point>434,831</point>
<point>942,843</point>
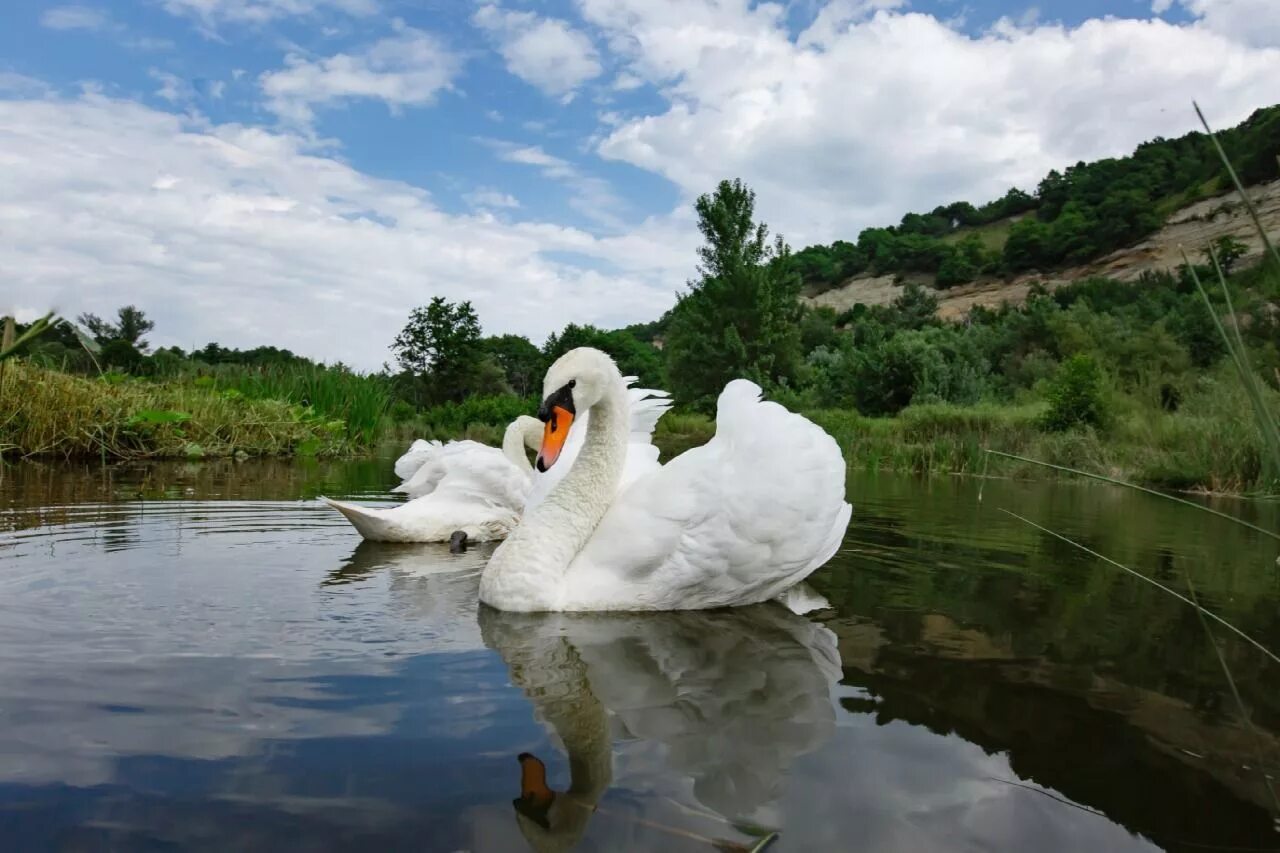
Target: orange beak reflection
<point>535,797</point>
<point>553,436</point>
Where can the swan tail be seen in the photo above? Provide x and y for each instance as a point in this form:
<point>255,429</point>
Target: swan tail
<point>367,521</point>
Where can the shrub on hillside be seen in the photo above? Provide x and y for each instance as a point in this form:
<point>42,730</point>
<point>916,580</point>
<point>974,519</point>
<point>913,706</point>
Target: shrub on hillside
<point>1076,396</point>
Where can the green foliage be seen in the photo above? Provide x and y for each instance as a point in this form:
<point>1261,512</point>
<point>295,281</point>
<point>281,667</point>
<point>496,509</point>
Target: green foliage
<point>633,356</point>
<point>333,393</point>
<point>1076,395</point>
<point>741,318</point>
<point>440,355</point>
<point>120,355</point>
<point>522,363</point>
<point>131,324</point>
<point>1227,250</point>
<point>13,341</point>
<point>451,419</point>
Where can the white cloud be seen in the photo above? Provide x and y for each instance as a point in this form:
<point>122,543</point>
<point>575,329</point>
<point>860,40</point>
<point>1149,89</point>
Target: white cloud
<point>1159,7</point>
<point>172,87</point>
<point>21,85</point>
<point>75,18</point>
<point>242,236</point>
<point>213,12</point>
<point>1252,22</point>
<point>547,53</point>
<point>592,196</point>
<point>407,69</point>
<point>869,114</point>
<point>491,198</point>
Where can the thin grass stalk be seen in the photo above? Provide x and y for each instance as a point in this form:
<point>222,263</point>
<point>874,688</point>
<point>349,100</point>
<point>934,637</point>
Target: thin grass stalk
<point>1235,692</point>
<point>1241,634</point>
<point>1266,420</point>
<point>1244,196</point>
<point>1136,487</point>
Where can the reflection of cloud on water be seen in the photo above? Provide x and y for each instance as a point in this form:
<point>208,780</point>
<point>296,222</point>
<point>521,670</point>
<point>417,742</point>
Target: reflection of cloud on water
<point>733,697</point>
<point>114,654</point>
<point>909,789</point>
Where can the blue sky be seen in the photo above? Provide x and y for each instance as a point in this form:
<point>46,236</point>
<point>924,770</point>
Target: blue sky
<point>305,171</point>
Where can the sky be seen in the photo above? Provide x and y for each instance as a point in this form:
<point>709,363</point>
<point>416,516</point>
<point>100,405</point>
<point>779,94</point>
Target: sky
<point>303,173</point>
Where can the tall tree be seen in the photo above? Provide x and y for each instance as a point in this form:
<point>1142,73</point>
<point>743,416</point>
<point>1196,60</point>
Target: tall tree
<point>741,318</point>
<point>521,362</point>
<point>439,348</point>
<point>131,324</point>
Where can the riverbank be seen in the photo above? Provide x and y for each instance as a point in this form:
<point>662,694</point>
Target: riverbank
<point>54,414</point>
<point>1209,444</point>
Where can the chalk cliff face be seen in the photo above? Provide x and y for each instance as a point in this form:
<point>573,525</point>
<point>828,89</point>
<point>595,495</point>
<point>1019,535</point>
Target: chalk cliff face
<point>1193,227</point>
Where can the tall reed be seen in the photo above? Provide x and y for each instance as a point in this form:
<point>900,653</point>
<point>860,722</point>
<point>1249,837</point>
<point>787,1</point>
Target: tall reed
<point>361,401</point>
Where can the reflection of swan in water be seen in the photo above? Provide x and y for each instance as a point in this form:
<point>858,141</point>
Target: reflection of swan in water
<point>734,696</point>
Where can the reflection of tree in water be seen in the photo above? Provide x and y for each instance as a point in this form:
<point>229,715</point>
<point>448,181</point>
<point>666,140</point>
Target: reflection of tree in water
<point>734,696</point>
<point>1152,763</point>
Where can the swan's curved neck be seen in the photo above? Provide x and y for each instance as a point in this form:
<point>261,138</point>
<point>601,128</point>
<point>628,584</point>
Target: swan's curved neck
<point>526,572</point>
<point>513,444</point>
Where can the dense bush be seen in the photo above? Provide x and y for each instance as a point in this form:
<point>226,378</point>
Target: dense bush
<point>1076,395</point>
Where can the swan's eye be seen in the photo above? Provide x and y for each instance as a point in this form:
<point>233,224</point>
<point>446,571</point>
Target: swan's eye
<point>573,383</point>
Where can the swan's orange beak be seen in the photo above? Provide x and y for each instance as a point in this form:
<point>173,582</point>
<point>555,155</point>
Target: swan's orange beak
<point>553,436</point>
<point>535,797</point>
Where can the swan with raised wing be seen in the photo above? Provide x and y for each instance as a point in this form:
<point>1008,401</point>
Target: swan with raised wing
<point>737,521</point>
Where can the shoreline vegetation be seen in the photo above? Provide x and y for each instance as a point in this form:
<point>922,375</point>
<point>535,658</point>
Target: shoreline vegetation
<point>1171,382</point>
<point>1208,445</point>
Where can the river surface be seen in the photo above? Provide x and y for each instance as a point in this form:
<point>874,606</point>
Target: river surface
<point>205,657</point>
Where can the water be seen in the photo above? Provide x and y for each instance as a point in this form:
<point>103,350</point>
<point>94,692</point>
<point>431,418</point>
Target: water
<point>204,657</point>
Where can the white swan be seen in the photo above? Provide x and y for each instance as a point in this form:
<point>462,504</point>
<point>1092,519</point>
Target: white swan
<point>427,464</point>
<point>481,490</point>
<point>737,521</point>
<point>465,486</point>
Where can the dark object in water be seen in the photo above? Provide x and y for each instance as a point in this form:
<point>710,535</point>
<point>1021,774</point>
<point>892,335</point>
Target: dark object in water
<point>458,542</point>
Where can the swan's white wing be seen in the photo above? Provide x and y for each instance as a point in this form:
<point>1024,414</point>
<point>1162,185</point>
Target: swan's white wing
<point>736,521</point>
<point>418,453</point>
<point>451,457</point>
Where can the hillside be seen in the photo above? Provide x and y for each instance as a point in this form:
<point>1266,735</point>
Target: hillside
<point>1192,227</point>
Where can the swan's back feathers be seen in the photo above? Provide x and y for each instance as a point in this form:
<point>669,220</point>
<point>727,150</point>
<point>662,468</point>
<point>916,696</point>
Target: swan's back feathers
<point>736,521</point>
<point>445,460</point>
<point>418,453</point>
<point>648,405</point>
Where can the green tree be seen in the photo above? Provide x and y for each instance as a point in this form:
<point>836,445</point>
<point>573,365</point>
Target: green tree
<point>740,319</point>
<point>131,324</point>
<point>914,308</point>
<point>1228,250</point>
<point>633,356</point>
<point>1075,395</point>
<point>522,363</point>
<point>439,351</point>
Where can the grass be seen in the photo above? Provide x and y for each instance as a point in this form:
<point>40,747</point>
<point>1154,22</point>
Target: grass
<point>359,401</point>
<point>993,235</point>
<point>50,413</point>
